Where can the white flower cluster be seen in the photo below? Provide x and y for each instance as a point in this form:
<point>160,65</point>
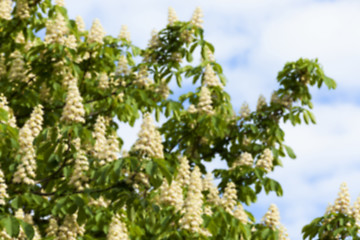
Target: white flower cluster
<point>265,160</point>
<point>209,54</point>
<point>205,102</point>
<point>60,3</point>
<point>154,41</point>
<point>172,195</point>
<point>245,159</point>
<point>80,23</point>
<point>192,219</point>
<point>122,66</point>
<point>208,185</point>
<point>52,228</point>
<point>56,32</point>
<point>3,188</point>
<point>260,103</point>
<point>100,202</point>
<point>356,212</point>
<point>17,70</point>
<point>272,217</point>
<point>22,9</point>
<point>342,202</point>
<point>117,229</point>
<point>229,198</point>
<point>163,89</point>
<point>142,78</point>
<point>197,16</point>
<point>97,32</point>
<point>124,34</point>
<point>74,109</point>
<point>70,229</point>
<point>81,166</point>
<point>4,106</point>
<point>149,139</point>
<point>2,64</point>
<point>20,39</point>
<point>25,172</point>
<point>19,214</point>
<point>5,9</point>
<point>244,110</point>
<point>106,150</point>
<point>240,214</point>
<point>183,176</point>
<point>172,17</point>
<point>210,78</point>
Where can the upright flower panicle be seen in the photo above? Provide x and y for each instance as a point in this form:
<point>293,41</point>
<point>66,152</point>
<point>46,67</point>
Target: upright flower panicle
<point>97,32</point>
<point>197,16</point>
<point>79,178</point>
<point>240,214</point>
<point>210,78</point>
<point>80,23</point>
<point>172,17</point>
<point>112,150</point>
<point>117,229</point>
<point>100,139</point>
<point>209,54</point>
<point>5,9</point>
<point>245,110</point>
<point>52,229</point>
<point>205,102</point>
<point>229,198</point>
<point>183,176</point>
<point>70,229</point>
<point>261,103</point>
<point>22,9</point>
<point>149,139</point>
<point>142,78</point>
<point>154,41</point>
<point>3,189</point>
<point>103,81</point>
<point>124,33</point>
<point>245,159</point>
<point>123,66</point>
<point>266,160</point>
<point>342,202</point>
<point>56,30</point>
<point>74,109</point>
<point>172,195</point>
<point>272,217</point>
<point>18,71</point>
<point>208,185</point>
<point>60,3</point>
<point>4,105</point>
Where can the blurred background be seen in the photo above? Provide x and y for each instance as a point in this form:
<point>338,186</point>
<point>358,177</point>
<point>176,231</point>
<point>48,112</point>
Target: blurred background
<point>253,40</point>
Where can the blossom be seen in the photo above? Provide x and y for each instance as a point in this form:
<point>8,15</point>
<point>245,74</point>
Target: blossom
<point>96,32</point>
<point>240,214</point>
<point>210,78</point>
<point>229,198</point>
<point>197,16</point>
<point>183,176</point>
<point>4,106</point>
<point>56,30</point>
<point>245,159</point>
<point>22,9</point>
<point>80,23</point>
<point>208,185</point>
<point>81,166</point>
<point>205,102</point>
<point>154,41</point>
<point>117,229</point>
<point>124,33</point>
<point>74,109</point>
<point>209,54</point>
<point>3,188</point>
<point>112,149</point>
<point>5,9</point>
<point>28,219</point>
<point>103,81</point>
<point>265,160</point>
<point>70,229</point>
<point>17,70</point>
<point>20,39</point>
<point>244,111</point>
<point>123,66</point>
<point>172,194</point>
<point>100,139</point>
<point>149,139</point>
<point>60,3</point>
<point>100,202</point>
<point>71,42</point>
<point>52,229</point>
<point>261,103</point>
<point>342,202</point>
<point>172,17</point>
<point>142,78</point>
<point>272,217</point>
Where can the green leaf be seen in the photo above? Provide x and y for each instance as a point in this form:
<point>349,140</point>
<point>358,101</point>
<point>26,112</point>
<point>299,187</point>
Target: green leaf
<point>28,229</point>
<point>290,152</point>
<point>11,225</point>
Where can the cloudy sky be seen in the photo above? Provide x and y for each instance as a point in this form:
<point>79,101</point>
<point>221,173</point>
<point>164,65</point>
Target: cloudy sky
<point>253,40</point>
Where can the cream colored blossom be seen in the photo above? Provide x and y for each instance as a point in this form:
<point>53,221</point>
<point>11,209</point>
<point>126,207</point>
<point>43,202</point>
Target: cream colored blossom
<point>272,217</point>
<point>142,78</point>
<point>74,109</point>
<point>209,54</point>
<point>210,78</point>
<point>19,214</point>
<point>192,109</point>
<point>245,110</point>
<point>205,102</point>
<point>172,195</point>
<point>240,214</point>
<point>56,30</point>
<point>261,103</point>
<point>60,3</point>
<point>342,202</point>
<point>3,188</point>
<point>97,32</point>
<point>22,9</point>
<point>100,202</point>
<point>196,19</point>
<point>123,66</point>
<point>265,160</point>
<point>4,105</point>
<point>154,41</point>
<point>117,229</point>
<point>5,9</point>
<point>20,39</point>
<point>70,229</point>
<point>192,219</point>
<point>124,33</point>
<point>229,198</point>
<point>71,42</point>
<point>112,149</point>
<point>172,17</point>
<point>100,140</point>
<point>25,172</point>
<point>52,229</point>
<point>2,64</point>
<point>356,212</point>
<point>245,159</point>
<point>18,69</point>
<point>79,178</point>
<point>208,185</point>
<point>80,23</point>
<point>103,81</point>
<point>149,139</point>
<point>163,89</point>
<point>183,176</point>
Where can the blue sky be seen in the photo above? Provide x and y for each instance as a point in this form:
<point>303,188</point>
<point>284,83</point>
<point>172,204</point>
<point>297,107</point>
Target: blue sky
<point>253,40</point>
